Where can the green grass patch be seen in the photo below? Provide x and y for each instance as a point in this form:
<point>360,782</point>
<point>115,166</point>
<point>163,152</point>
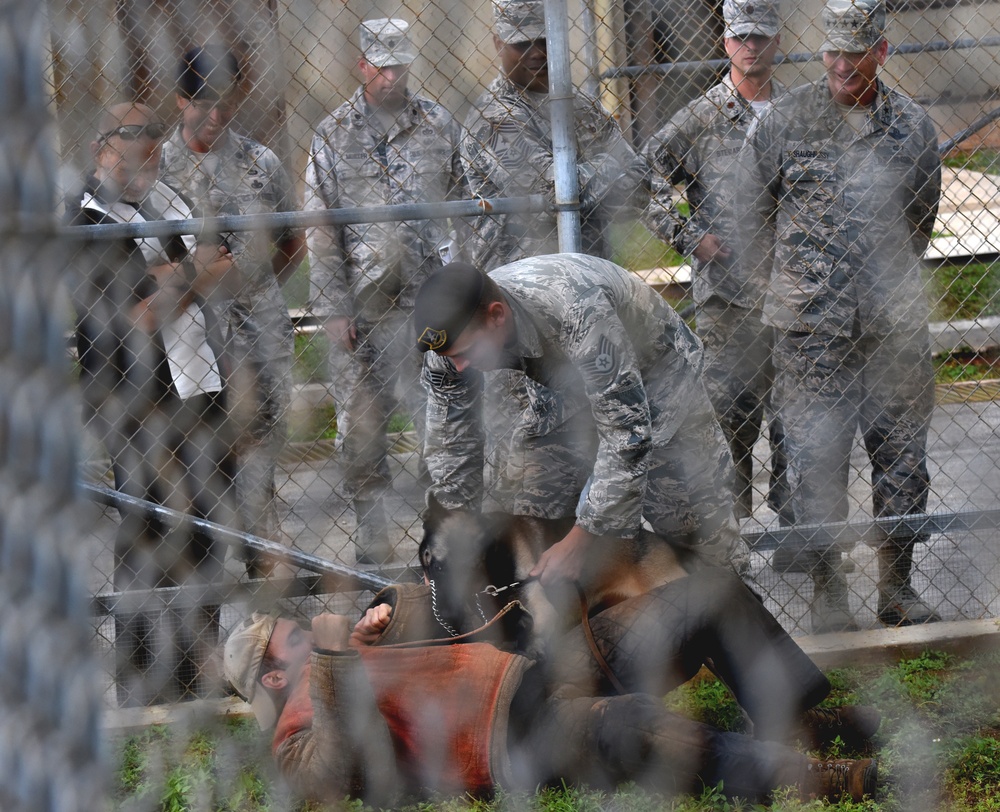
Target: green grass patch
<point>938,749</point>
<point>967,366</point>
<point>980,160</point>
<point>311,360</point>
<point>965,291</point>
<point>634,247</point>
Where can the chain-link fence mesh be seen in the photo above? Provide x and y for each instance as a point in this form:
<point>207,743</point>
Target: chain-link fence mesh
<point>201,398</point>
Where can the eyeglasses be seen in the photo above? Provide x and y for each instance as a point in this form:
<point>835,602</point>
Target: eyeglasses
<point>227,105</point>
<point>132,132</point>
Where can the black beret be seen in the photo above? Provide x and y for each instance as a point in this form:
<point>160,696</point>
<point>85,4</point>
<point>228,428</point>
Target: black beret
<point>207,72</point>
<point>445,305</point>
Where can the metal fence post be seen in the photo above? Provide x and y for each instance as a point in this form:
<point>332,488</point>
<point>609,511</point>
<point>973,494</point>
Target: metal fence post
<point>563,140</point>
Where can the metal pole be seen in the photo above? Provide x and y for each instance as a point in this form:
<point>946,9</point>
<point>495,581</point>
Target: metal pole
<point>591,85</point>
<point>561,95</point>
<point>307,219</point>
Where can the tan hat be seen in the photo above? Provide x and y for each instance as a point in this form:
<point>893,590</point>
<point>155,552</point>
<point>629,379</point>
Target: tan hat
<point>242,659</point>
<point>516,21</point>
<point>386,41</point>
<point>853,26</point>
<point>745,17</point>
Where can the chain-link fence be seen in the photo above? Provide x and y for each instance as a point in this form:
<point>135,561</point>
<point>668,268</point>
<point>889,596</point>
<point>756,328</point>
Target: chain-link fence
<point>332,195</point>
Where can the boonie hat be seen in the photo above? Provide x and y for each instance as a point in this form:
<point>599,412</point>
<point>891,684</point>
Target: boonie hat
<point>244,653</point>
<point>516,21</point>
<point>745,17</point>
<point>207,72</point>
<point>445,305</point>
<point>386,41</point>
<point>853,26</point>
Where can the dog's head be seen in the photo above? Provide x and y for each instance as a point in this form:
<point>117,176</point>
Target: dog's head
<point>462,552</point>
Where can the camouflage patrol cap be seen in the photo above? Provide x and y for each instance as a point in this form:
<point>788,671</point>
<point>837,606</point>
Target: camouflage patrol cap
<point>386,41</point>
<point>445,305</point>
<point>516,21</point>
<point>207,72</point>
<point>744,17</point>
<point>853,26</point>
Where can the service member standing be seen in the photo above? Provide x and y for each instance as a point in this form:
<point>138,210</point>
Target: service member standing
<point>507,149</point>
<point>578,390</point>
<point>227,173</point>
<point>847,171</point>
<point>697,149</point>
<point>383,146</point>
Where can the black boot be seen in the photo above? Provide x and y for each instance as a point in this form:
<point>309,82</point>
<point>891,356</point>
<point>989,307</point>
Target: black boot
<point>898,604</point>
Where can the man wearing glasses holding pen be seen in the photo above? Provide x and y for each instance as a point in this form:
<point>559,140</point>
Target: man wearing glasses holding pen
<point>154,384</point>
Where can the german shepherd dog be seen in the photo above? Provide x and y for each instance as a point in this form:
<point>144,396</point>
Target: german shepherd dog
<point>477,563</point>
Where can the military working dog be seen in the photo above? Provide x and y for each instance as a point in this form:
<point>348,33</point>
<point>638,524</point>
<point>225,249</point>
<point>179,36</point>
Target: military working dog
<point>479,562</point>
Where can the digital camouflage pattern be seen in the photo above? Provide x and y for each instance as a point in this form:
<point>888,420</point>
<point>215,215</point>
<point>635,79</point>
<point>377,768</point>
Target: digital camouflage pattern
<point>240,176</point>
<point>371,272</point>
<point>507,152</point>
<point>369,269</point>
<point>829,386</point>
<point>603,388</point>
<point>698,150</point>
<point>855,215</point>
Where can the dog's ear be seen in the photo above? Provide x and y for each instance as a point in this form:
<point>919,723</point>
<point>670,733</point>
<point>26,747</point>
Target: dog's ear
<point>435,511</point>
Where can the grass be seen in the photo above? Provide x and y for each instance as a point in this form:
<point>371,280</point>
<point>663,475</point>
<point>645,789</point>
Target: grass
<point>938,749</point>
<point>980,160</point>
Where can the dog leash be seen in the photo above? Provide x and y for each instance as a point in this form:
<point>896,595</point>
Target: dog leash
<point>495,591</point>
<point>588,633</point>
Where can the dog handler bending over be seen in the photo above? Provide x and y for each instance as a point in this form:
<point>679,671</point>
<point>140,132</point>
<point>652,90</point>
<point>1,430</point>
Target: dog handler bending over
<point>367,715</point>
<point>565,374</point>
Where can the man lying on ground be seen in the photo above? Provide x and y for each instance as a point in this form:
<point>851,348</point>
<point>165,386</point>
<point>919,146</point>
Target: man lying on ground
<point>371,715</point>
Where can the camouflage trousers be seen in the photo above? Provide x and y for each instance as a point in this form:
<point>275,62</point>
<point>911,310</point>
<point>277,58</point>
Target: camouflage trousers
<point>829,387</point>
<point>261,348</point>
<point>738,376</point>
<point>689,484</point>
<point>380,376</point>
<point>654,643</point>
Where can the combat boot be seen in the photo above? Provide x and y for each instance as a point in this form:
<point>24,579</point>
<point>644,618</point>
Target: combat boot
<point>898,604</point>
<point>371,537</point>
<point>833,779</point>
<point>830,608</point>
<point>854,725</point>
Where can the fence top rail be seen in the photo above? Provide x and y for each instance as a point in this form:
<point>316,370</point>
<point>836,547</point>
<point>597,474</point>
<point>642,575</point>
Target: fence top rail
<point>307,219</point>
<point>666,68</point>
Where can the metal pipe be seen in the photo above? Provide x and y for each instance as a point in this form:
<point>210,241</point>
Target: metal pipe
<point>233,538</point>
<point>307,219</point>
<point>588,20</point>
<point>666,68</point>
<point>561,114</point>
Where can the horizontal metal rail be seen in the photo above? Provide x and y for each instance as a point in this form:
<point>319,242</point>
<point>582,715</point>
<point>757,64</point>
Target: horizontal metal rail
<point>847,534</point>
<point>329,576</point>
<point>667,68</point>
<point>245,542</point>
<point>307,219</point>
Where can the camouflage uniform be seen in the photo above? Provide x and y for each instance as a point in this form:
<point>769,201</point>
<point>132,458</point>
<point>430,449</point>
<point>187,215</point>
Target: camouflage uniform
<point>370,272</point>
<point>698,149</point>
<point>240,176</point>
<point>853,214</point>
<point>507,152</point>
<point>603,388</point>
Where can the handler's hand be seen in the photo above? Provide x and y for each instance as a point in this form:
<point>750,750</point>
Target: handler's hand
<point>331,632</point>
<point>372,624</point>
<point>569,559</point>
